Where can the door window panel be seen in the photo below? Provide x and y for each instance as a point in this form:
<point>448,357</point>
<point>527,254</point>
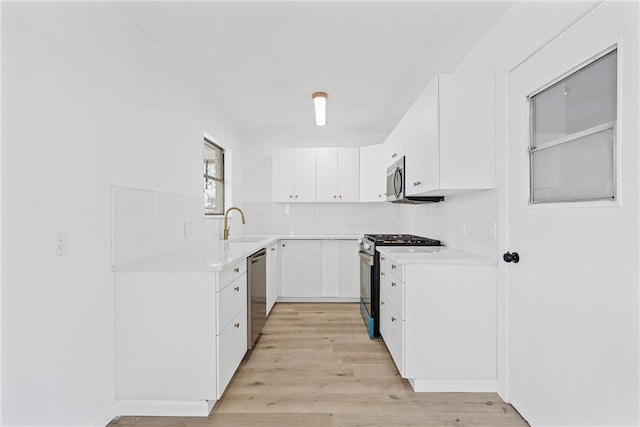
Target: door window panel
<point>572,136</point>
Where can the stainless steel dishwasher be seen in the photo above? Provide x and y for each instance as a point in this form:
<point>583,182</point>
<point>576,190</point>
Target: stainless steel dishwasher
<point>256,295</point>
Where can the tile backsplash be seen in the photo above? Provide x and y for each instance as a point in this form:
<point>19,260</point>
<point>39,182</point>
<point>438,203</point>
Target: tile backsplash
<point>463,221</point>
<point>149,223</point>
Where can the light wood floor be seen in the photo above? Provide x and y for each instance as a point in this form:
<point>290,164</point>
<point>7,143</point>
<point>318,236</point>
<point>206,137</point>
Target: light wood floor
<point>315,366</point>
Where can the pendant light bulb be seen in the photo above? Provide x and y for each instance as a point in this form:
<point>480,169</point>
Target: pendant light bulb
<point>320,105</point>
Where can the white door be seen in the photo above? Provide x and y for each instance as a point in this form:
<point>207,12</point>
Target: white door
<point>573,296</point>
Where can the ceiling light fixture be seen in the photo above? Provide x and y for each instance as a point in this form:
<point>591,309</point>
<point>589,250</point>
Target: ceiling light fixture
<point>320,104</point>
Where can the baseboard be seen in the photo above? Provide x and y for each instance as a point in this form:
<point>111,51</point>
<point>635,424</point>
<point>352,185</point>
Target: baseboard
<point>165,408</point>
<point>318,299</point>
<point>443,386</point>
<point>107,417</point>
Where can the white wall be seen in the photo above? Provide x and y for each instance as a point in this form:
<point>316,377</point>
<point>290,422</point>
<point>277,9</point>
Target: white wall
<point>87,103</point>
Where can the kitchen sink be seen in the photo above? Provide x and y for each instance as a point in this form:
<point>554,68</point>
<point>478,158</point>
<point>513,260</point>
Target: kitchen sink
<point>246,239</point>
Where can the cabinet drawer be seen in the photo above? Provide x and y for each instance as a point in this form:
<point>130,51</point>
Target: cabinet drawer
<point>392,266</point>
<point>392,331</point>
<point>232,346</point>
<point>231,273</point>
<point>392,292</point>
<point>231,300</point>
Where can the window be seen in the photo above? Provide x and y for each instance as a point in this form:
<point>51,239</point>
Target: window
<point>213,179</point>
<point>572,136</point>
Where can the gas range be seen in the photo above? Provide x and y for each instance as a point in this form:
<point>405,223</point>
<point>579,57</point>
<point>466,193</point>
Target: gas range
<point>369,242</point>
<point>370,272</point>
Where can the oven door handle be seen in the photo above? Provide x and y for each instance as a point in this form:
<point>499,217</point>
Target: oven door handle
<point>366,257</point>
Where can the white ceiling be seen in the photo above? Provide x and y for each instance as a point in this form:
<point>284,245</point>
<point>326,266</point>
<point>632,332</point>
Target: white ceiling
<point>260,61</point>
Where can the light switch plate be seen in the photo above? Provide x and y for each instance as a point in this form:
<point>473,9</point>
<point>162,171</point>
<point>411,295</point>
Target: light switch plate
<point>60,243</point>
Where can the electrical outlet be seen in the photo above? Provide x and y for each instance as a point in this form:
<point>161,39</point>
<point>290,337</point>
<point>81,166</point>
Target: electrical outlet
<point>60,243</point>
<point>188,229</point>
<point>493,231</point>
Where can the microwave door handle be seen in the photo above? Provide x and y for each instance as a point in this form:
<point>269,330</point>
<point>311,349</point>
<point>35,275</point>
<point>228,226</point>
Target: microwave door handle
<point>397,179</point>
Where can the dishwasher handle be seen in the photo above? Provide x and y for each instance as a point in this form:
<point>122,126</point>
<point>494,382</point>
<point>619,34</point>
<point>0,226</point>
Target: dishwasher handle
<point>256,257</point>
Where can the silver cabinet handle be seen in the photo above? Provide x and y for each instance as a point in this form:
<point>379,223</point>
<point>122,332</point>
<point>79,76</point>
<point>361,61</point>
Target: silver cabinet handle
<point>393,319</point>
<point>237,269</point>
<point>273,249</point>
<point>381,302</point>
<point>415,184</point>
<point>393,284</point>
<point>381,258</point>
<point>291,196</point>
<point>393,266</point>
<point>237,324</point>
<point>382,273</point>
<point>237,288</point>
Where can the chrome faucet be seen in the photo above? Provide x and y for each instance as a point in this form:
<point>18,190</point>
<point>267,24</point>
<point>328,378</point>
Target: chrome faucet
<point>226,214</point>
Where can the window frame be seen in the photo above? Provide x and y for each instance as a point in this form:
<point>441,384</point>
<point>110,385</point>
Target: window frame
<point>209,142</point>
<point>531,148</point>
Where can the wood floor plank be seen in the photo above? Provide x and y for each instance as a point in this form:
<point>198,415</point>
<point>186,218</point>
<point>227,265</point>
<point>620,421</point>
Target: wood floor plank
<point>315,365</point>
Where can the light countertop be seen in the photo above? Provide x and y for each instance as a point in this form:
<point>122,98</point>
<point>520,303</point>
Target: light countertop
<point>432,255</point>
<point>216,255</point>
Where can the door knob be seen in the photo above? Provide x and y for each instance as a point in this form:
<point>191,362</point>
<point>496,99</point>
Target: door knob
<point>511,257</point>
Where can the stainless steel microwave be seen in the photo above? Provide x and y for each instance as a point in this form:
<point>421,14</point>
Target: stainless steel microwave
<point>396,186</point>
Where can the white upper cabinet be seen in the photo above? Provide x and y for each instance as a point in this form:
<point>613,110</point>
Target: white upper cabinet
<point>326,174</point>
<point>316,174</point>
<point>449,135</point>
<point>394,145</point>
<point>373,172</point>
<point>294,178</point>
<point>349,174</point>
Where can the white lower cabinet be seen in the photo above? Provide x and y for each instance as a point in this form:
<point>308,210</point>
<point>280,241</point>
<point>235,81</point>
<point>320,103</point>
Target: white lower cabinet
<point>232,340</point>
<point>300,268</point>
<point>232,322</point>
<point>273,275</point>
<point>180,336</point>
<point>439,324</point>
<point>319,269</point>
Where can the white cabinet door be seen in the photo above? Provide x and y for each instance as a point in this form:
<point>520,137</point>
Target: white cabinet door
<point>388,151</point>
<point>300,268</point>
<point>305,174</point>
<point>422,162</point>
<point>450,136</point>
<point>373,173</point>
<point>348,268</point>
<point>326,174</point>
<point>348,174</point>
<point>283,175</point>
<point>232,346</point>
<point>273,277</point>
